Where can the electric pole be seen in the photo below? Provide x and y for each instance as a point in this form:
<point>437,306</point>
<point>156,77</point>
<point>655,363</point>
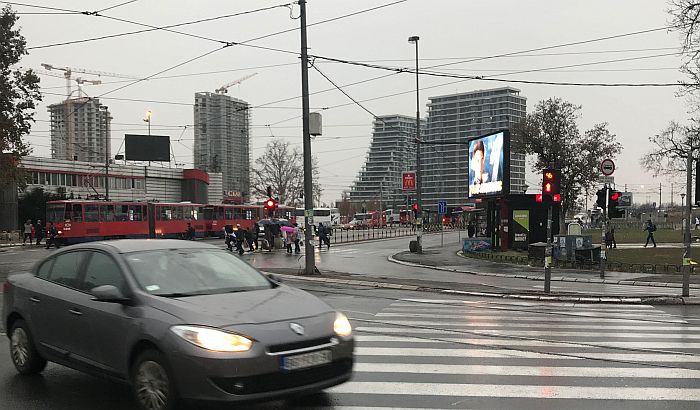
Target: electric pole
<point>308,185</point>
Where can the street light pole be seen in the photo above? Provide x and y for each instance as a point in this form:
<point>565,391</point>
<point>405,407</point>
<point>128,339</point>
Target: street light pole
<point>419,212</point>
<point>308,186</point>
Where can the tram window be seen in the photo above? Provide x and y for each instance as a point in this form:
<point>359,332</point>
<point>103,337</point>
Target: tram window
<point>237,213</point>
<point>177,213</point>
<point>166,214</point>
<point>198,213</point>
<point>136,213</point>
<point>91,214</point>
<point>77,215</point>
<point>228,215</point>
<point>121,213</point>
<point>248,214</point>
<point>208,213</point>
<point>107,213</point>
<point>187,212</point>
<point>219,213</point>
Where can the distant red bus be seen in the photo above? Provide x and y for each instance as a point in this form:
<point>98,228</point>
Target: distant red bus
<point>82,220</point>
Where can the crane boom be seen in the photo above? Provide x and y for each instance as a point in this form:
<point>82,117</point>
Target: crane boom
<point>224,88</point>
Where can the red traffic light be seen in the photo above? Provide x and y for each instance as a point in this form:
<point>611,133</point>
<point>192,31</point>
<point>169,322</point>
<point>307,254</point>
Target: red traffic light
<point>548,188</point>
<point>556,198</point>
<point>615,196</point>
<point>270,204</point>
<point>538,197</point>
<point>415,207</point>
<point>549,175</point>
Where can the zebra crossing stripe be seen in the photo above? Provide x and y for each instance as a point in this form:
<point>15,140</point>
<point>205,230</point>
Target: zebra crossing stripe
<point>507,353</point>
<point>519,391</point>
<point>480,370</point>
<point>447,338</point>
<point>546,326</point>
<point>531,333</point>
<point>508,318</point>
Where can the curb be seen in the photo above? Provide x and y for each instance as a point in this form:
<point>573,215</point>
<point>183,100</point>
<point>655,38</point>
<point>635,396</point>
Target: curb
<point>541,276</point>
<point>655,300</point>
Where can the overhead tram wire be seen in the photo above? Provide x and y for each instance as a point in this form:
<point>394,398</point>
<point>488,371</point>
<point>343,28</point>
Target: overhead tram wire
<point>117,5</point>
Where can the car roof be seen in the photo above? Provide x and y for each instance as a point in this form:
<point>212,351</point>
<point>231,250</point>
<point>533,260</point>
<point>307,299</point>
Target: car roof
<point>135,245</point>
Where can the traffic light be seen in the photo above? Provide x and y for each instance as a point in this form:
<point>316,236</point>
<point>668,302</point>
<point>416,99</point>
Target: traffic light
<point>270,205</point>
<point>551,184</point>
<point>613,203</point>
<point>601,196</point>
<point>415,210</point>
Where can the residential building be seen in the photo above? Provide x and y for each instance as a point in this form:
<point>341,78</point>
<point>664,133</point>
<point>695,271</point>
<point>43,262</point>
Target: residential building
<point>391,152</point>
<point>222,140</point>
<point>80,130</point>
<point>459,117</point>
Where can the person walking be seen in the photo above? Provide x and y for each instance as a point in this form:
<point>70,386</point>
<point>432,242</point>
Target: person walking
<point>51,236</point>
<point>250,235</point>
<point>323,236</point>
<point>27,232</point>
<point>299,234</point>
<point>256,235</point>
<point>650,227</point>
<point>289,238</point>
<point>610,236</point>
<point>39,232</point>
<point>190,233</point>
<point>471,229</point>
<point>229,237</point>
<point>240,237</point>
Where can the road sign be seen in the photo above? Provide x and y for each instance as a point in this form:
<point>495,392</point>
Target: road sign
<point>442,207</point>
<point>607,167</point>
<point>409,181</point>
<point>606,180</point>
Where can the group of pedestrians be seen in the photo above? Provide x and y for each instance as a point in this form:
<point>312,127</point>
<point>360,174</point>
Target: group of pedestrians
<point>38,231</point>
<point>239,236</point>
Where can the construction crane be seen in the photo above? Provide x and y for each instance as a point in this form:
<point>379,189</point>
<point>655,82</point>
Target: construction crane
<point>68,75</point>
<point>224,88</point>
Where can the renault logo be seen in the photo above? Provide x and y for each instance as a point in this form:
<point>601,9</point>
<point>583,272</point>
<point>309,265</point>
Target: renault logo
<point>297,328</point>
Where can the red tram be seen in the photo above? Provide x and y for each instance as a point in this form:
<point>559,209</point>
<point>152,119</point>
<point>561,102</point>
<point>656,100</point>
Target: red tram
<point>82,221</point>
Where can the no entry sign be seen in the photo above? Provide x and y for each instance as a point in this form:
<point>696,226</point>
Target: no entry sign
<point>607,167</point>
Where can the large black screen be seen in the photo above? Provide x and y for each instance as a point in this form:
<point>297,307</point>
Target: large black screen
<point>147,147</point>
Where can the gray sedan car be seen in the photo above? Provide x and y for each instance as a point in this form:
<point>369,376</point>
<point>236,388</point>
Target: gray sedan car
<point>176,320</point>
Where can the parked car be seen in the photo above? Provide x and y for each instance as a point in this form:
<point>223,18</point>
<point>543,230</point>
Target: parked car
<point>176,320</point>
<point>354,224</point>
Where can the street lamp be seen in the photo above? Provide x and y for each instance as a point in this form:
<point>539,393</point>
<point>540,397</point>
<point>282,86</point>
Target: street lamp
<point>148,120</point>
<point>419,227</point>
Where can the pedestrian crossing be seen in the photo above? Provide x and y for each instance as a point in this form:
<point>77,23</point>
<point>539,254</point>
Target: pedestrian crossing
<point>440,354</point>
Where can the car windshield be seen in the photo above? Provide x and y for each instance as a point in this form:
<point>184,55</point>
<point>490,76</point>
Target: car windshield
<point>182,272</point>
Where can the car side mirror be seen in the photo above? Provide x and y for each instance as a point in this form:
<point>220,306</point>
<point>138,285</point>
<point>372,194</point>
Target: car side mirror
<point>108,293</point>
<point>276,280</point>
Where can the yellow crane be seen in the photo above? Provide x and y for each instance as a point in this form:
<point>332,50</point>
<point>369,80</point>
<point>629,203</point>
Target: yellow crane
<point>68,75</point>
<point>224,88</point>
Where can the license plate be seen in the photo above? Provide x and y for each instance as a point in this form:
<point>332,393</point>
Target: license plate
<point>302,361</point>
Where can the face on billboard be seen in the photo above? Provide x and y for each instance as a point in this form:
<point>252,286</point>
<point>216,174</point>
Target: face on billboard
<point>486,165</point>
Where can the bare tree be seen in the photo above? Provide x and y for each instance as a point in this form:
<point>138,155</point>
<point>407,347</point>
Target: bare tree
<point>550,132</point>
<point>281,167</point>
<point>685,19</point>
<point>671,148</point>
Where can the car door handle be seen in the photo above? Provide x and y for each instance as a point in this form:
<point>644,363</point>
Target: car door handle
<point>75,312</point>
<point>34,299</point>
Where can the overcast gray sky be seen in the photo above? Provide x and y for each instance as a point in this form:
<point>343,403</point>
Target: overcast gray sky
<point>449,30</point>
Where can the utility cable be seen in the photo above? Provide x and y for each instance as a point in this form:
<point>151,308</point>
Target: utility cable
<point>117,5</point>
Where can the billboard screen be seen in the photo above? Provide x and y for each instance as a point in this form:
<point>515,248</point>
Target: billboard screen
<point>147,147</point>
<point>489,165</point>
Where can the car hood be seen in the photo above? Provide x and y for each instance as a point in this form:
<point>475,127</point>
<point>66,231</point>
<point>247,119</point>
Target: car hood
<point>252,307</point>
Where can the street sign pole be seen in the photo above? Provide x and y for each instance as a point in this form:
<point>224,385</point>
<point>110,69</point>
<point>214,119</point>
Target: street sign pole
<point>548,252</point>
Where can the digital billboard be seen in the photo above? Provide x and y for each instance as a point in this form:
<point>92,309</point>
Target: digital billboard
<point>147,147</point>
<point>489,165</point>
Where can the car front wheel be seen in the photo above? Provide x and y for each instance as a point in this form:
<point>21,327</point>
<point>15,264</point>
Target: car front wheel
<point>25,357</point>
<point>152,382</point>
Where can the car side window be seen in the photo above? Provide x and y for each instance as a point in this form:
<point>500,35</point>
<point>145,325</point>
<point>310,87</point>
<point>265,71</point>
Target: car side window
<point>44,269</point>
<point>101,270</point>
<point>66,269</point>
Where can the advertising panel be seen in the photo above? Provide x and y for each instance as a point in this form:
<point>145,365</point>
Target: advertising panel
<point>409,181</point>
<point>147,147</point>
<point>521,227</point>
<point>489,165</point>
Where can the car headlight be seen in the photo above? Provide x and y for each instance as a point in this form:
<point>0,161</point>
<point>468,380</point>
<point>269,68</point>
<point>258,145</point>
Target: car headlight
<point>341,326</point>
<point>212,339</point>
<point>60,232</point>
